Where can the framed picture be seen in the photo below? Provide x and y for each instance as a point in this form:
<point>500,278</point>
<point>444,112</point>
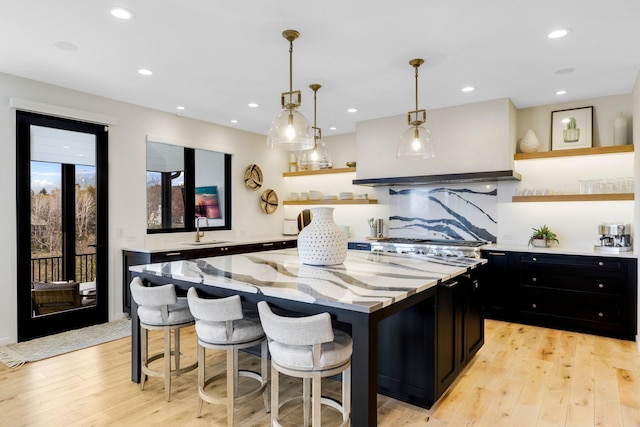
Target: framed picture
<point>207,204</point>
<point>571,128</point>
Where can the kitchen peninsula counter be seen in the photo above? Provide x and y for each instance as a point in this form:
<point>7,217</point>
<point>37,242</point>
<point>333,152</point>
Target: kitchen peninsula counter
<point>359,293</point>
<point>207,242</point>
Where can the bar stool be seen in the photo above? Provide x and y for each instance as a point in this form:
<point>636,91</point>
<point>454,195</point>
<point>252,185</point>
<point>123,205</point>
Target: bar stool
<point>221,325</point>
<point>160,309</point>
<point>307,348</point>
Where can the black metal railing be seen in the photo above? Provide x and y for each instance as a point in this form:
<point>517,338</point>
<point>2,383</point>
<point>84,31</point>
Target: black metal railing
<point>50,269</point>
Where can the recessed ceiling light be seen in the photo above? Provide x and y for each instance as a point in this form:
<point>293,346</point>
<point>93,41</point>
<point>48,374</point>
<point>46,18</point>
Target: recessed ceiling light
<point>561,92</point>
<point>332,128</point>
<point>121,13</point>
<point>180,107</point>
<point>556,34</point>
<point>234,121</point>
<point>352,110</point>
<point>565,70</point>
<point>468,89</point>
<point>145,72</point>
<point>253,105</point>
<point>65,46</point>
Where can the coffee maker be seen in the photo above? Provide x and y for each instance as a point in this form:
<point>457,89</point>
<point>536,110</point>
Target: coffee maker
<point>614,237</point>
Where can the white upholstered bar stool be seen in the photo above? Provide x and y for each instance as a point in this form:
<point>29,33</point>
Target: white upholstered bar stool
<point>221,325</point>
<point>160,309</point>
<point>308,348</point>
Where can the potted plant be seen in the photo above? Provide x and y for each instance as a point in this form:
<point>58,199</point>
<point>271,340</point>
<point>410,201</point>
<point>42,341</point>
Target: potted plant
<point>542,237</point>
<point>571,133</point>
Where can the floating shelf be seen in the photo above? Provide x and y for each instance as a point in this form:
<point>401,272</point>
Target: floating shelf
<point>575,152</point>
<point>319,172</point>
<point>331,202</point>
<point>574,198</point>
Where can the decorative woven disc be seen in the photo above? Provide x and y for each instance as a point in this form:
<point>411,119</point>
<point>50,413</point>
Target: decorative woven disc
<point>269,201</point>
<point>253,177</point>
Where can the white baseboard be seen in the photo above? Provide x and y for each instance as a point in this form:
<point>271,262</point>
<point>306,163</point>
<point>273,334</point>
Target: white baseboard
<point>6,341</point>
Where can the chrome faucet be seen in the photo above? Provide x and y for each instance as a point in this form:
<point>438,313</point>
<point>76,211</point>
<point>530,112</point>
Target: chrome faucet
<point>198,233</point>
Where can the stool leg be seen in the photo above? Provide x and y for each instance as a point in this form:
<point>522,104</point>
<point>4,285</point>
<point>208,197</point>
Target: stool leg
<point>232,357</point>
<point>306,398</point>
<point>201,377</point>
<point>346,393</point>
<point>144,354</point>
<point>167,363</point>
<point>176,346</point>
<point>264,373</point>
<point>316,399</point>
<point>275,390</point>
<point>236,374</point>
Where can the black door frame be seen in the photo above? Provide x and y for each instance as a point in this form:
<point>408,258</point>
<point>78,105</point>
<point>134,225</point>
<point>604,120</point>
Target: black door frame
<point>29,326</point>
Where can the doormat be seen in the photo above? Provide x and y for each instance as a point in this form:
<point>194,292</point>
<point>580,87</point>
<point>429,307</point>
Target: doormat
<point>15,355</point>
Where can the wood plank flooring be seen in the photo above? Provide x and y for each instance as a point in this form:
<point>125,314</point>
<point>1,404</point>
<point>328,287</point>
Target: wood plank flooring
<point>523,376</point>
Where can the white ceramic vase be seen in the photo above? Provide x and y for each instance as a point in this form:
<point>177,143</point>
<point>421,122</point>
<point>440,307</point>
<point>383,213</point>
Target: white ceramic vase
<point>529,142</point>
<point>620,130</point>
<point>322,242</point>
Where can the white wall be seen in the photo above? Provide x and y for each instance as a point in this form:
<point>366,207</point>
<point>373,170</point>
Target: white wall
<point>127,219</point>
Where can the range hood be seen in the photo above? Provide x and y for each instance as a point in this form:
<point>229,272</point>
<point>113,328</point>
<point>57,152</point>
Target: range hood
<point>507,175</point>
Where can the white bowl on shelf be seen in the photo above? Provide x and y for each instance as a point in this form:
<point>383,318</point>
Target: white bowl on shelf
<point>315,195</point>
<point>346,196</point>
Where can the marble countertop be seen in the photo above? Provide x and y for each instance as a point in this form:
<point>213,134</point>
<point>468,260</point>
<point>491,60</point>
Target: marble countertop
<point>365,282</point>
<point>559,250</point>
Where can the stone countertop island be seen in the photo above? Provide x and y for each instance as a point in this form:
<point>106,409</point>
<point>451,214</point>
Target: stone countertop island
<point>359,293</point>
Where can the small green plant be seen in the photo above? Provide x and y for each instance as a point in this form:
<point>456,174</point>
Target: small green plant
<point>571,124</point>
<point>543,233</point>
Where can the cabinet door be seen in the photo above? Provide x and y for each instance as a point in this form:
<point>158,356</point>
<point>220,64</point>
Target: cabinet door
<point>500,285</point>
<point>473,316</point>
<point>450,334</point>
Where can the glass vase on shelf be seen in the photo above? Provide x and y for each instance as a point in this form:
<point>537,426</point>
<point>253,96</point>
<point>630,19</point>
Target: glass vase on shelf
<point>303,161</point>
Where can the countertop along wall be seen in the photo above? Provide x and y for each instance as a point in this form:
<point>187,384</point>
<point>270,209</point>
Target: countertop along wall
<point>127,180</point>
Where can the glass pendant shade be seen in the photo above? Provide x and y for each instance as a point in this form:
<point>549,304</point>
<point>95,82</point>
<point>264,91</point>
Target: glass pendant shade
<point>319,157</point>
<point>290,131</point>
<point>416,142</point>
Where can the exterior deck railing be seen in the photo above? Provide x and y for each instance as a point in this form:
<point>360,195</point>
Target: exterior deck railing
<point>50,269</point>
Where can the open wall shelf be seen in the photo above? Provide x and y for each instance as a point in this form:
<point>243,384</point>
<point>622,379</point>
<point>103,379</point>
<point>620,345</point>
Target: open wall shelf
<point>575,152</point>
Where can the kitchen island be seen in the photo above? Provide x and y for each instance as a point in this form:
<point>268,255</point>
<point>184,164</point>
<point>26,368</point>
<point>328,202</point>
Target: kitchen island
<point>359,294</point>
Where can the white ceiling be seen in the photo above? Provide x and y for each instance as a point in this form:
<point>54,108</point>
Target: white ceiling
<point>214,57</point>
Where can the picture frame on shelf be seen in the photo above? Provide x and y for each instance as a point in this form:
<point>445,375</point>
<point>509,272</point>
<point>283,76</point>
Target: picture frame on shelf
<point>572,128</point>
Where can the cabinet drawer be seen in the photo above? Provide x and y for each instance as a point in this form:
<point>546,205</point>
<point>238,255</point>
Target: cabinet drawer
<point>609,285</point>
<point>572,305</point>
<point>573,262</point>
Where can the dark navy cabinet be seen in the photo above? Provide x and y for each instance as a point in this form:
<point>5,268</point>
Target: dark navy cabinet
<point>585,293</point>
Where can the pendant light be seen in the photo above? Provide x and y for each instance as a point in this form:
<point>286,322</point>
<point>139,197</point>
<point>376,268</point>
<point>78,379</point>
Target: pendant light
<point>416,142</point>
<point>319,157</point>
<point>290,131</point>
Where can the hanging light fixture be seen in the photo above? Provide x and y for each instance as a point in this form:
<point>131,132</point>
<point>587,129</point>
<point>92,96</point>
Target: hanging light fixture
<point>290,131</point>
<point>319,157</point>
<point>416,142</point>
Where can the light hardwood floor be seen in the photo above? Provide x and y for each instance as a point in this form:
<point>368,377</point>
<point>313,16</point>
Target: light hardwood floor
<point>523,376</point>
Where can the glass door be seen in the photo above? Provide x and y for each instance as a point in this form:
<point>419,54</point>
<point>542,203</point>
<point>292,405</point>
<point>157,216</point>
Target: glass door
<point>62,223</point>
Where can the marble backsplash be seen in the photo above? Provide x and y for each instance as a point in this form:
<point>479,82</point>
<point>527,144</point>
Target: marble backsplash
<point>460,212</point>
